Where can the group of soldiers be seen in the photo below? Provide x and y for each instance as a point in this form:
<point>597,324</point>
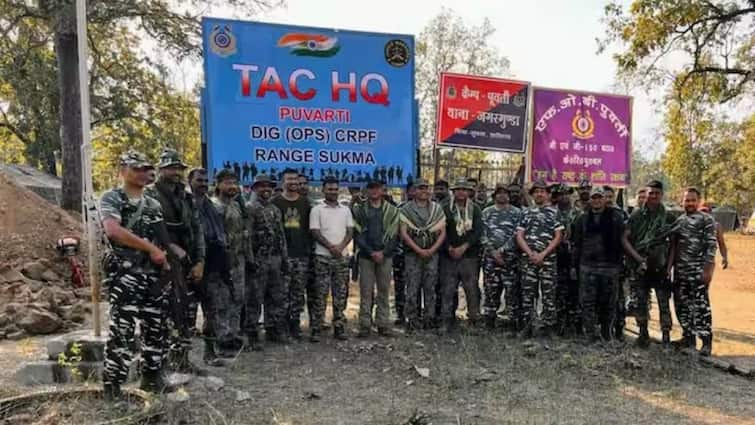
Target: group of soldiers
<point>254,263</point>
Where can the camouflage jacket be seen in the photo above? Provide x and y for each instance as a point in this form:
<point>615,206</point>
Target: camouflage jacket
<point>181,218</point>
<point>115,204</point>
<point>696,242</point>
<point>236,231</point>
<point>540,225</point>
<point>499,233</point>
<point>267,237</point>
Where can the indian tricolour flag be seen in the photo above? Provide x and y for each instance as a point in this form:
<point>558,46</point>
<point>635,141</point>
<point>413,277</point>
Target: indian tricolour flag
<point>302,44</point>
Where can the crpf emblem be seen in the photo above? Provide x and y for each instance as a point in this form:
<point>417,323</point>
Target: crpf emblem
<point>582,125</point>
<point>222,41</point>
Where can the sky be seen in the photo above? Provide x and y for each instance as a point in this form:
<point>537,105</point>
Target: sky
<point>550,43</point>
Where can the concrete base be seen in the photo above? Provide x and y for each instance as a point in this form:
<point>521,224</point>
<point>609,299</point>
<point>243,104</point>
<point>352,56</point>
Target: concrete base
<point>48,372</point>
<point>92,348</point>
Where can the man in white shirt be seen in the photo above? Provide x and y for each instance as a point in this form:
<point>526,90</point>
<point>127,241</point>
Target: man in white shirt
<point>332,228</point>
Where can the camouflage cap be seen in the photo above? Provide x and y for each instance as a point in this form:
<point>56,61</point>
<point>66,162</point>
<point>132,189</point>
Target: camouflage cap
<point>171,158</point>
<point>462,183</point>
<point>561,188</point>
<point>263,179</point>
<point>538,184</point>
<point>585,184</point>
<point>135,159</point>
<point>225,173</point>
<point>597,191</point>
<point>421,182</point>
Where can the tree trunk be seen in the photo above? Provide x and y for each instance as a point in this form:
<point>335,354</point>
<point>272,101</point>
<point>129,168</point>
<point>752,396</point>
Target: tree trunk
<point>70,106</point>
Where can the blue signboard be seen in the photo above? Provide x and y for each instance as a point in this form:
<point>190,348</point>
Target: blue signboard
<point>324,102</point>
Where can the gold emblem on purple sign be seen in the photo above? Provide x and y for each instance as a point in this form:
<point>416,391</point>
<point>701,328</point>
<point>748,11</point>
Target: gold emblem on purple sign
<point>582,125</point>
<point>451,92</point>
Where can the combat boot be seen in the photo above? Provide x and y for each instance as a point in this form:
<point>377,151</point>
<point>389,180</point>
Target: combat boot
<point>643,341</point>
<point>364,332</point>
<point>281,336</point>
<point>210,356</point>
<point>339,333</point>
<point>294,329</point>
<point>185,365</point>
<point>666,339</point>
<point>490,323</point>
<point>686,341</point>
<point>400,318</point>
<point>252,342</point>
<point>707,347</point>
<point>112,393</point>
<point>153,381</point>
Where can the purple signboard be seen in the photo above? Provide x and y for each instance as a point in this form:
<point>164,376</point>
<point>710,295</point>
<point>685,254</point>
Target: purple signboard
<point>578,135</point>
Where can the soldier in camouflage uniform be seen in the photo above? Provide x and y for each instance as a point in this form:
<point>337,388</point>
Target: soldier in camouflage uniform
<point>583,190</point>
<point>538,236</point>
<point>500,261</point>
<point>332,227</point>
<point>567,288</point>
<point>187,251</point>
<point>295,210</point>
<point>693,254</point>
<point>646,243</point>
<point>267,285</point>
<point>230,298</point>
<point>399,266</point>
<point>130,220</point>
<point>423,229</point>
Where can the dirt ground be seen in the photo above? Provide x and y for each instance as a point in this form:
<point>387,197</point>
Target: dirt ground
<point>473,378</point>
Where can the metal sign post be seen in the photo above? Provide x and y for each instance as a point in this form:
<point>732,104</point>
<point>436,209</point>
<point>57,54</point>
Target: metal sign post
<point>87,207</point>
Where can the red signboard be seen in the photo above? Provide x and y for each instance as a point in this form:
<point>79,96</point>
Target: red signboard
<point>482,113</point>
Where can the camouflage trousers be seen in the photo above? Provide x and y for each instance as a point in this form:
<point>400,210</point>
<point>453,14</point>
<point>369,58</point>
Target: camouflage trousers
<point>331,275</point>
<point>421,275</point>
<point>133,299</point>
<point>568,311</point>
<point>177,304</point>
<point>641,287</point>
<point>228,306</point>
<point>621,303</point>
<point>496,279</point>
<point>692,303</point>
<point>297,279</point>
<point>539,280</point>
<point>598,291</point>
<point>465,271</point>
<point>266,286</point>
<point>399,284</point>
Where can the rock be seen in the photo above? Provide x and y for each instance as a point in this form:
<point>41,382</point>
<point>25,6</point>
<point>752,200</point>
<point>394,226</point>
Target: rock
<point>34,270</point>
<point>85,293</point>
<point>45,295</point>
<point>8,275</point>
<point>422,371</point>
<point>15,336</point>
<point>76,313</point>
<point>180,396</point>
<point>179,379</point>
<point>212,383</point>
<point>34,285</point>
<point>4,319</point>
<point>13,308</point>
<point>243,396</point>
<point>37,373</point>
<point>38,322</point>
<point>50,276</point>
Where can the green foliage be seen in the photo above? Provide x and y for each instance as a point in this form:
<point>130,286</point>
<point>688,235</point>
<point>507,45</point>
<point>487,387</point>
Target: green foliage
<point>711,39</point>
<point>730,179</point>
<point>71,362</point>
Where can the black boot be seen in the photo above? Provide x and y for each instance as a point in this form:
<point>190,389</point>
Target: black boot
<point>314,336</point>
<point>339,333</point>
<point>294,329</point>
<point>490,323</point>
<point>281,334</point>
<point>666,339</point>
<point>112,393</point>
<point>253,342</point>
<point>707,347</point>
<point>643,341</point>
<point>210,356</point>
<point>684,341</point>
<point>185,365</point>
<point>153,381</point>
<point>400,318</point>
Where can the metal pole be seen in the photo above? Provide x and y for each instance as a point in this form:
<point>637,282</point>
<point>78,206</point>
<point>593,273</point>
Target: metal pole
<point>86,162</point>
